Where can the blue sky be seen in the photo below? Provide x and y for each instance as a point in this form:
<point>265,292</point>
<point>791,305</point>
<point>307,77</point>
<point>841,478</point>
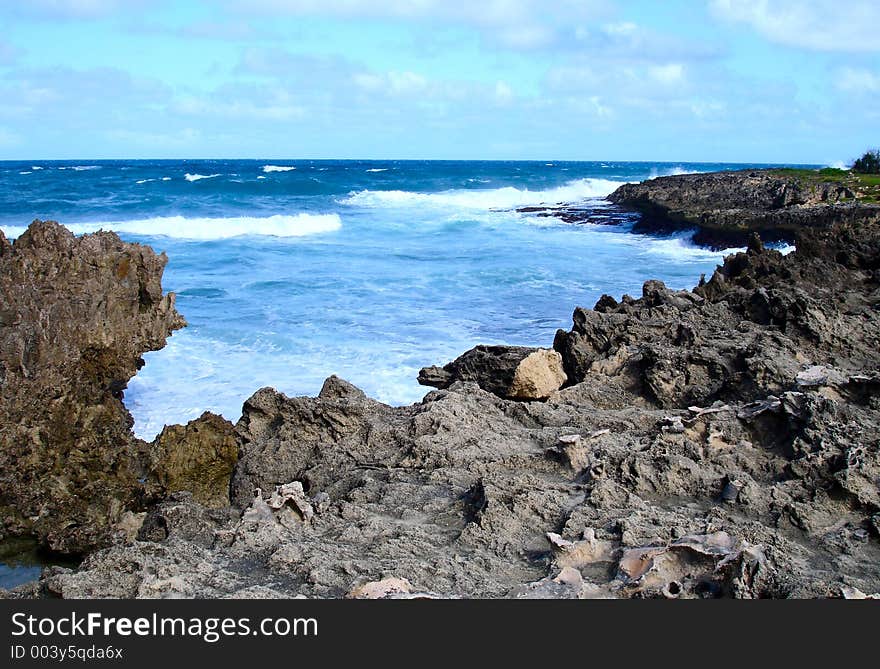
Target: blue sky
<point>680,80</point>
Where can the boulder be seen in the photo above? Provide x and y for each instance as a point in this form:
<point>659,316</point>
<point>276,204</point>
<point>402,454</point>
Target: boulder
<point>512,372</point>
<point>197,457</point>
<point>76,314</point>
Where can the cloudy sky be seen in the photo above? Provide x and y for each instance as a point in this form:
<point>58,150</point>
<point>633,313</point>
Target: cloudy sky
<point>680,80</point>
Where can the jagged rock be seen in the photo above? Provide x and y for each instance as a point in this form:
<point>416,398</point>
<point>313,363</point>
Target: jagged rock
<point>76,314</point>
<point>728,207</point>
<point>671,399</point>
<point>514,372</point>
<point>197,457</point>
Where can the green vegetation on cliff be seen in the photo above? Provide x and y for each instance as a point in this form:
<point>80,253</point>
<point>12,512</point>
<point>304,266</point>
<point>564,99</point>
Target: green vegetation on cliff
<point>865,186</point>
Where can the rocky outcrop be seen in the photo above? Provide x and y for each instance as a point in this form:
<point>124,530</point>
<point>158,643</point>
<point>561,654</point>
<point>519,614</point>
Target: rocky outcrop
<point>727,207</point>
<point>76,314</point>
<point>721,442</point>
<point>197,458</point>
<point>514,372</point>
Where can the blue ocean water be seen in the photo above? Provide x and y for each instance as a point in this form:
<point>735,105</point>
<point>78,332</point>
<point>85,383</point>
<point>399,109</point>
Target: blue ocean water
<point>289,271</point>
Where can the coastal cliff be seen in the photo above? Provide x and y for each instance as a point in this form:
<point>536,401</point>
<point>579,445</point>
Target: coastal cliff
<point>727,207</point>
<point>719,442</point>
<point>76,316</point>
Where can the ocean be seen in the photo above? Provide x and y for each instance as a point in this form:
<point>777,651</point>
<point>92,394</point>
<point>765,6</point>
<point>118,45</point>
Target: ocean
<point>289,271</point>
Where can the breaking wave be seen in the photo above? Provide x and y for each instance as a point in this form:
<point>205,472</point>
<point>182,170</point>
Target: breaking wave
<point>496,198</point>
<point>279,225</point>
<point>277,168</point>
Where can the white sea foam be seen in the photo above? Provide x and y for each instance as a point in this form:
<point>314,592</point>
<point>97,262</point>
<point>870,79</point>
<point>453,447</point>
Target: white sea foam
<point>166,178</point>
<point>680,248</point>
<point>261,177</point>
<point>199,177</point>
<point>482,199</point>
<point>25,172</point>
<point>378,169</point>
<point>144,181</point>
<point>81,168</point>
<point>279,225</point>
<point>278,168</point>
<point>36,167</point>
<point>672,172</point>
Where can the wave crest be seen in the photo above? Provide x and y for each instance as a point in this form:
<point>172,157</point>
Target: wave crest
<point>279,225</point>
<point>277,168</point>
<point>199,177</point>
<point>496,198</point>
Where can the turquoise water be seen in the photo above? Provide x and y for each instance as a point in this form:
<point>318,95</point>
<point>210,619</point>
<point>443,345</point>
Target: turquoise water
<point>289,271</point>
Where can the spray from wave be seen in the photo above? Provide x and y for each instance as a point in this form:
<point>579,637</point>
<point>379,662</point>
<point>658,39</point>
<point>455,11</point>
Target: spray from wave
<point>482,199</point>
<point>672,172</point>
<point>202,229</point>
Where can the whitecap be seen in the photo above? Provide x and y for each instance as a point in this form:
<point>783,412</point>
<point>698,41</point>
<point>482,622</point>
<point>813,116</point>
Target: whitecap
<point>680,248</point>
<point>36,167</point>
<point>277,168</point>
<point>166,178</point>
<point>25,173</point>
<point>198,177</point>
<point>144,181</point>
<point>496,198</point>
<point>673,172</point>
<point>80,168</point>
<point>279,225</point>
<point>378,169</point>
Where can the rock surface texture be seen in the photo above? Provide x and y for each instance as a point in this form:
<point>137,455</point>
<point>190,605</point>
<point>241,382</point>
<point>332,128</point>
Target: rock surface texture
<point>720,442</point>
<point>76,314</point>
<point>727,207</point>
<point>514,372</point>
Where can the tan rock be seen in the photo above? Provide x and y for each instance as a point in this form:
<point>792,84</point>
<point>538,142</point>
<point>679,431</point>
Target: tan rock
<point>381,589</point>
<point>537,375</point>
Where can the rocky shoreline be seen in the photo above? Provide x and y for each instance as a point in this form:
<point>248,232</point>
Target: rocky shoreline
<point>719,442</point>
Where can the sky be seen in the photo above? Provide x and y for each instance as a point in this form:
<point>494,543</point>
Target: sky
<point>786,81</point>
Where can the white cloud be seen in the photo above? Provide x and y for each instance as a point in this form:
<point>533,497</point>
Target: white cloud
<point>823,25</point>
<point>858,80</point>
<point>503,93</point>
<point>181,139</point>
<point>625,28</point>
<point>69,9</point>
<point>280,108</point>
<point>668,75</point>
<point>486,12</point>
<point>406,82</point>
<point>516,24</point>
<point>708,109</point>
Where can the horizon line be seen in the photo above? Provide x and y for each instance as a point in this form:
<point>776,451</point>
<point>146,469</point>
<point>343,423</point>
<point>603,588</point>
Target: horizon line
<point>412,160</point>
